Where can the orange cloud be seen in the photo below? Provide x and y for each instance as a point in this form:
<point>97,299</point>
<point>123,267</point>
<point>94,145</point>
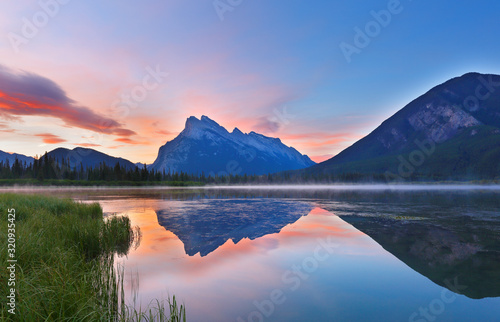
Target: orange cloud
<point>130,141</point>
<point>5,128</point>
<point>165,132</point>
<point>24,93</point>
<point>317,135</point>
<point>87,145</point>
<point>321,158</point>
<point>50,138</point>
<point>323,145</point>
<point>333,141</point>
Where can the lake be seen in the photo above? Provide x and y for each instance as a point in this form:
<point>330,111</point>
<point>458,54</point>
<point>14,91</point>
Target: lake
<point>344,253</point>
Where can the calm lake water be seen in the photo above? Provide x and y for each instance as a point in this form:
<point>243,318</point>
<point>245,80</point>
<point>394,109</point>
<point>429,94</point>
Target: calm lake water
<point>317,254</point>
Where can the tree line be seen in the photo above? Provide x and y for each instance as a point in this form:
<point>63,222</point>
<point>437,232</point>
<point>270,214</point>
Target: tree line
<point>47,168</point>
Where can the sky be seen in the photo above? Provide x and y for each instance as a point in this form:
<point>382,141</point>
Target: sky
<point>123,76</point>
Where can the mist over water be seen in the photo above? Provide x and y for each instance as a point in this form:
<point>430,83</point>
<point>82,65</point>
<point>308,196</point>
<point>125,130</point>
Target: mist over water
<point>363,187</point>
<point>305,187</point>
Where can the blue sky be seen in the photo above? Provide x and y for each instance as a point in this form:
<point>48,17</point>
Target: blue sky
<point>274,67</point>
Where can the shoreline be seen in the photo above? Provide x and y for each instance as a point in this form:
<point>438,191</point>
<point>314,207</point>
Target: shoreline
<point>338,186</point>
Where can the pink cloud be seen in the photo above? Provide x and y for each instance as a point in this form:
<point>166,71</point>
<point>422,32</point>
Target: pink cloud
<point>50,138</point>
<point>24,93</point>
<point>131,141</point>
<point>87,145</point>
<point>321,158</point>
<point>166,133</point>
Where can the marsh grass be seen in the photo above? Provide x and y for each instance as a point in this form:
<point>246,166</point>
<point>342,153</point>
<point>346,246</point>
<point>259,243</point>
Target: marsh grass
<point>156,311</point>
<point>65,269</point>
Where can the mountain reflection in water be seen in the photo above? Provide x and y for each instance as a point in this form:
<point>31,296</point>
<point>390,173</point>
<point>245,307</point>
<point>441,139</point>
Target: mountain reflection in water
<point>206,224</point>
<point>436,235</point>
<point>222,250</point>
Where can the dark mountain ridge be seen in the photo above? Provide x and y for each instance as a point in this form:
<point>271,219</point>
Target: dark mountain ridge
<point>11,157</point>
<point>453,130</point>
<point>88,158</point>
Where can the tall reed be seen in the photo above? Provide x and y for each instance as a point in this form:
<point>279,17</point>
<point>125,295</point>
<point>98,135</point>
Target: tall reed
<point>65,263</point>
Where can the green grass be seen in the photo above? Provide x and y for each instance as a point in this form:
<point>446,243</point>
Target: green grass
<point>65,268</point>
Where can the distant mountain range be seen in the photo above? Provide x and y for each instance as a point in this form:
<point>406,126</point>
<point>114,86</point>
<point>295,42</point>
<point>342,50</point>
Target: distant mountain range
<point>11,157</point>
<point>202,147</point>
<point>205,146</point>
<point>451,132</point>
<point>88,158</point>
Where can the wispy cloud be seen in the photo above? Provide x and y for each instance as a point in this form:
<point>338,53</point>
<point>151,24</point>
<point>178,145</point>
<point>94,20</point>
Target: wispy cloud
<point>23,94</point>
<point>266,125</point>
<point>115,147</point>
<point>162,132</point>
<point>321,158</point>
<point>131,141</point>
<point>87,145</point>
<point>49,138</point>
<point>4,127</point>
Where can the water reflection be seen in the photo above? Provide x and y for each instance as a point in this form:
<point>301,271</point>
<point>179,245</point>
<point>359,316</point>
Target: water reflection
<point>452,239</point>
<point>461,254</point>
<point>443,236</point>
<point>206,224</point>
<point>466,261</point>
<point>221,251</point>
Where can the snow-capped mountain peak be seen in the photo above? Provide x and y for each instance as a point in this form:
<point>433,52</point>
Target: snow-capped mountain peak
<point>205,146</point>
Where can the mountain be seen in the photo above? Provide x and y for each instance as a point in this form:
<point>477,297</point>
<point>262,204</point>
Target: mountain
<point>11,157</point>
<point>451,132</point>
<point>140,165</point>
<point>88,158</point>
<point>205,146</point>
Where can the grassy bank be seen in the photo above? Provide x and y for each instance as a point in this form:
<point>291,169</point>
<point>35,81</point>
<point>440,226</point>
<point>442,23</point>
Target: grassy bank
<point>65,268</point>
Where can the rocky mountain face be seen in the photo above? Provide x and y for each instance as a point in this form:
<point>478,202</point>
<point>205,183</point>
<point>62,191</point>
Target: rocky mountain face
<point>206,147</point>
<point>454,129</point>
<point>88,158</point>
